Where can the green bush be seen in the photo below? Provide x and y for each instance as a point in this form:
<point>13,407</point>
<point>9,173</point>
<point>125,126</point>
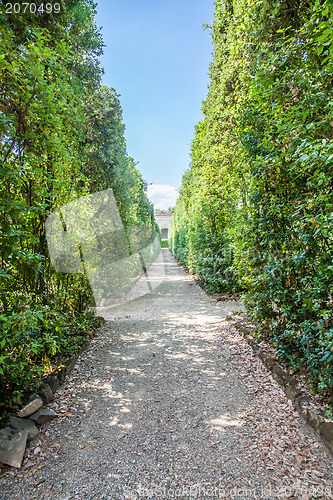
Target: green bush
<point>31,339</point>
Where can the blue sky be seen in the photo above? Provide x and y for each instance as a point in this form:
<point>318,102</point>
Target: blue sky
<point>157,58</point>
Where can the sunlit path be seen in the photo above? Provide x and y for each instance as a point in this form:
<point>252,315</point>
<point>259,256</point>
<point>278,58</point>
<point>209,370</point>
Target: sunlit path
<point>169,400</point>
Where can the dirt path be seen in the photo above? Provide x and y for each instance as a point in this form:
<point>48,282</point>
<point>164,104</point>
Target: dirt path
<point>170,402</point>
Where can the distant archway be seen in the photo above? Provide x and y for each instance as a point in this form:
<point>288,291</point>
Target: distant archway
<point>164,221</point>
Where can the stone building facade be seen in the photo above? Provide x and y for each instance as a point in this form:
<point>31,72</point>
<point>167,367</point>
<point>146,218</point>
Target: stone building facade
<point>164,221</point>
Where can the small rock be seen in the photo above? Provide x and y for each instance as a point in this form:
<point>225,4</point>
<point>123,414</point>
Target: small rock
<point>46,394</point>
<point>31,407</point>
<point>43,416</point>
<point>12,446</point>
<point>26,424</point>
<point>37,450</point>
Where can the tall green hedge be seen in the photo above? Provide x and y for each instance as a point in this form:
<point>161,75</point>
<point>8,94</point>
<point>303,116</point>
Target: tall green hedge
<point>62,137</point>
<point>255,209</point>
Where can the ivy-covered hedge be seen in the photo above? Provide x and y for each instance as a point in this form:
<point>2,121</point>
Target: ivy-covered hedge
<point>255,209</point>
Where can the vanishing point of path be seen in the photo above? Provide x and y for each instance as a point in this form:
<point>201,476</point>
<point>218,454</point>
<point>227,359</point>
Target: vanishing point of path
<point>170,402</point>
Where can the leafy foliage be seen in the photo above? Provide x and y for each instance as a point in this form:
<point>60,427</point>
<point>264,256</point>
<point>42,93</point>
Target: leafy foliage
<point>259,190</point>
<point>62,137</point>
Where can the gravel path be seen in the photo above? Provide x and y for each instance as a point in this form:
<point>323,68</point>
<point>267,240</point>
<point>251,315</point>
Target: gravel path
<point>170,402</point>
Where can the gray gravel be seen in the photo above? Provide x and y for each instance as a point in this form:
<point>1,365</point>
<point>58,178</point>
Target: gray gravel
<point>170,402</point>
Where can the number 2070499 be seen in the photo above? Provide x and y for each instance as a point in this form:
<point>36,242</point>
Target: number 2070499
<point>26,7</point>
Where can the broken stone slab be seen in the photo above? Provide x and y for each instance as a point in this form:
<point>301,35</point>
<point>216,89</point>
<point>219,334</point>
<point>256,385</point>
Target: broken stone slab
<point>43,416</point>
<point>24,424</point>
<point>31,407</point>
<point>12,446</point>
<point>46,394</point>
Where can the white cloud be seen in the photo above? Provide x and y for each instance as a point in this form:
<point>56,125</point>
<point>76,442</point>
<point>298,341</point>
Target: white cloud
<point>162,196</point>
